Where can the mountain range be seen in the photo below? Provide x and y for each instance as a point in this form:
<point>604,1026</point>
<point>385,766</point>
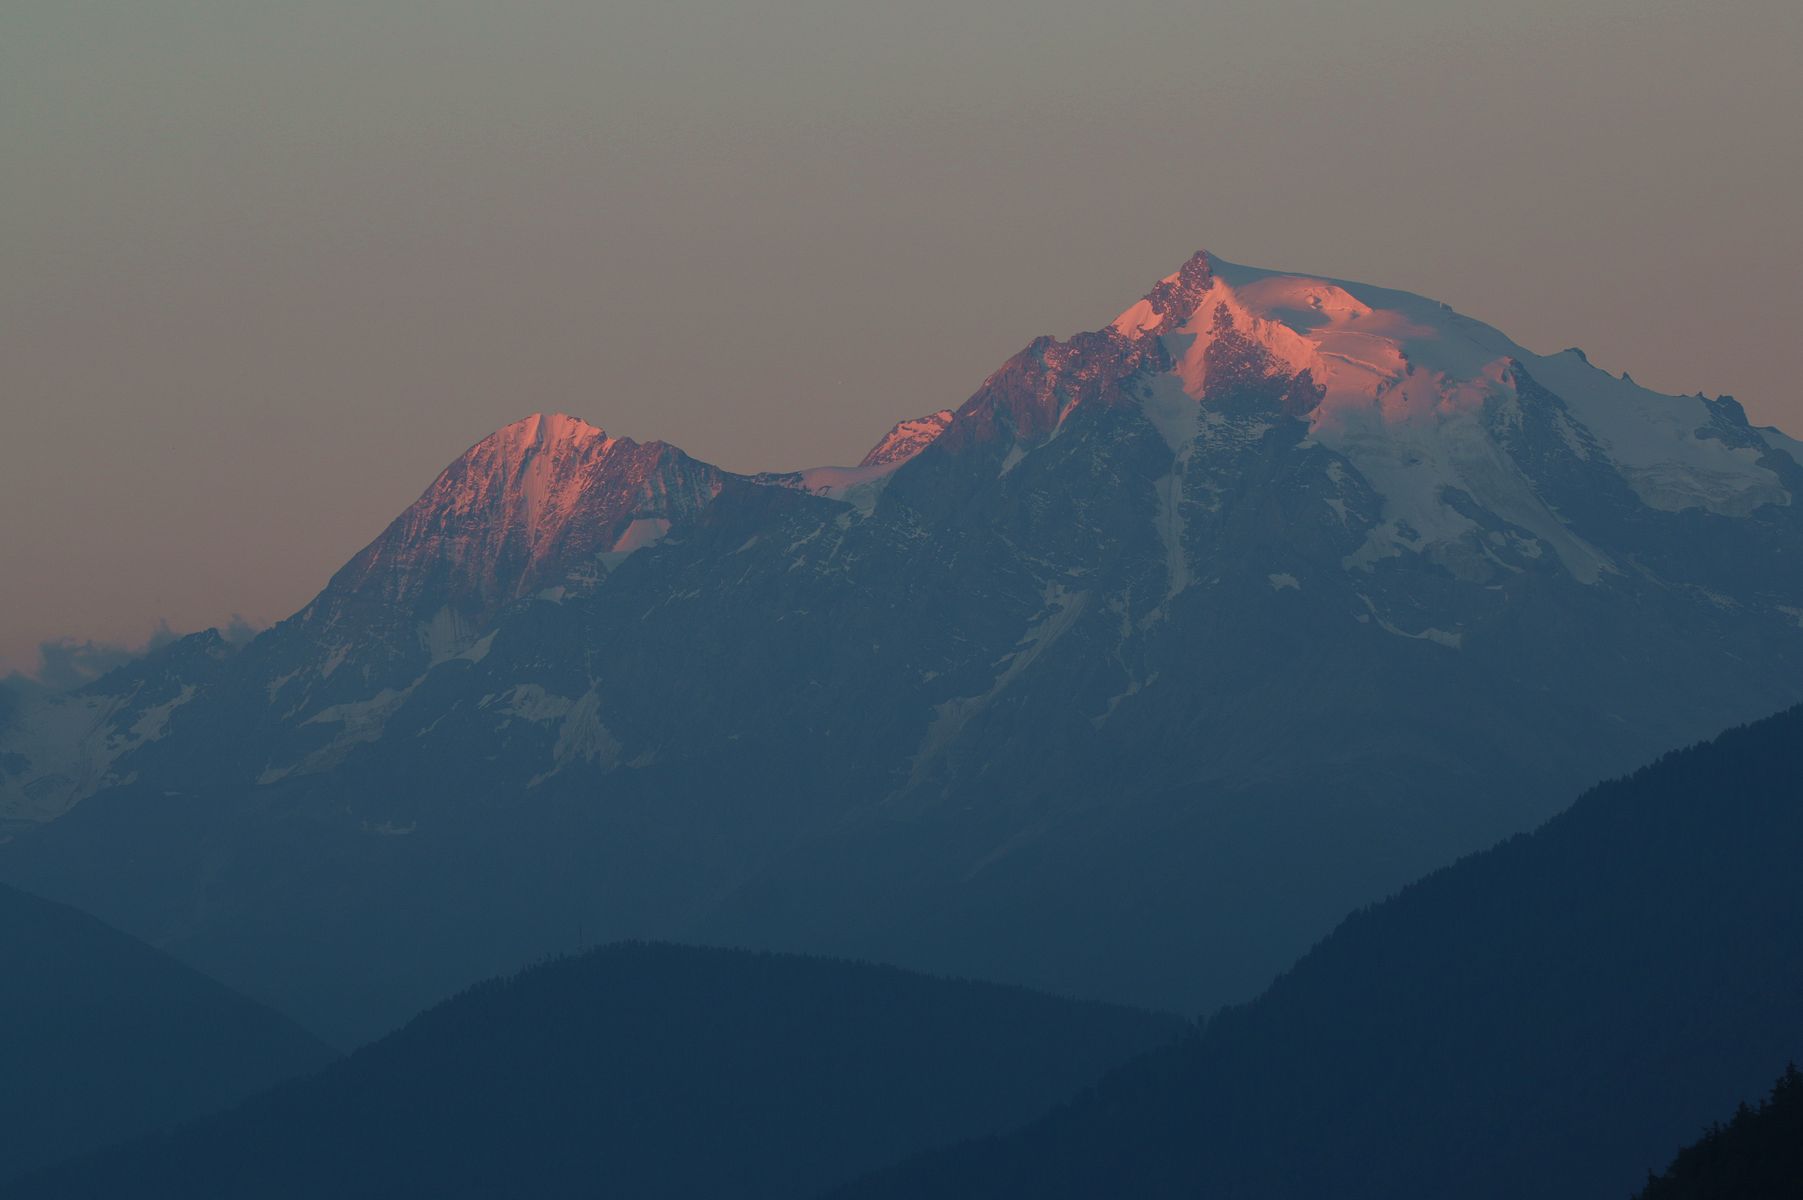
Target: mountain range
<point>1126,678</point>
<point>1550,1017</point>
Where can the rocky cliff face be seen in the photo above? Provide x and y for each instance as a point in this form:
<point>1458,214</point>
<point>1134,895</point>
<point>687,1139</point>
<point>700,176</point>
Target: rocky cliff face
<point>546,505</point>
<point>907,439</point>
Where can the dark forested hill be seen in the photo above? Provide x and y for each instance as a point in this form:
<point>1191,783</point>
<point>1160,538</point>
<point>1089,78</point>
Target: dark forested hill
<point>1756,1156</point>
<point>647,1071</point>
<point>1549,1018</point>
<point>103,1038</point>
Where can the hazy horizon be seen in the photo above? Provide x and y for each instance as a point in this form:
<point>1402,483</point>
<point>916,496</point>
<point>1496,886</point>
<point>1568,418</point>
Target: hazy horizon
<point>268,268</point>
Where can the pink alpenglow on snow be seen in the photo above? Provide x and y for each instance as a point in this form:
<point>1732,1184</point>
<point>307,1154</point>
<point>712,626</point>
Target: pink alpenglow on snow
<point>1386,358</point>
<point>531,507</point>
<point>1377,354</point>
<point>1414,395</point>
<point>907,439</point>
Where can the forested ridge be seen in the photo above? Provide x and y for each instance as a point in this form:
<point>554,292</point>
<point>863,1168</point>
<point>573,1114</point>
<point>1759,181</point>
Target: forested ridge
<point>646,1070</point>
<point>1757,1155</point>
<point>1550,1018</point>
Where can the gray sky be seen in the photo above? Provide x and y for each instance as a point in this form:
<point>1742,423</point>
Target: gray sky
<point>265,267</point>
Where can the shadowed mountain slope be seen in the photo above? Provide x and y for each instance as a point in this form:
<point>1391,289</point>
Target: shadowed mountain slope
<point>103,1038</point>
<point>1549,1018</point>
<point>646,1071</point>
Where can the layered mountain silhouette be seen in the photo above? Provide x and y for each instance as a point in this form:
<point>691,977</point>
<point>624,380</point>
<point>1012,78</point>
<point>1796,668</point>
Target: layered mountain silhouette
<point>1126,678</point>
<point>106,1039</point>
<point>1550,1018</point>
<point>646,1071</point>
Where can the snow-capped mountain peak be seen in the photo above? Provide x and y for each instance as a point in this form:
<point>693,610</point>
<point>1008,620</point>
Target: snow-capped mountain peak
<point>531,470</point>
<point>1417,395</point>
<point>537,506</point>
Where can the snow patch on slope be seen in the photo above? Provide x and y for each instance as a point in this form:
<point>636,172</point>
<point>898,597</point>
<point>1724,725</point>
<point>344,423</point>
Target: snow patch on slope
<point>1414,465</point>
<point>64,747</point>
<point>1062,608</point>
<point>1440,637</point>
<point>359,722</point>
<point>445,636</point>
<point>1777,439</point>
<point>1654,440</point>
<point>582,738</point>
<point>1178,419</point>
<point>856,486</point>
<point>860,486</point>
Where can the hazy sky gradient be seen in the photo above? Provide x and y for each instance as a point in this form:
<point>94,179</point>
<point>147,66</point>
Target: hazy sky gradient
<point>265,267</point>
